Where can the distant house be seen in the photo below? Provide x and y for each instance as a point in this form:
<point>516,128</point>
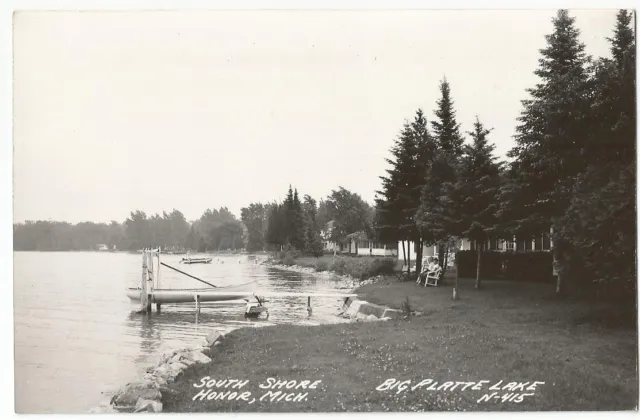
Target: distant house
<point>375,248</point>
<point>356,244</point>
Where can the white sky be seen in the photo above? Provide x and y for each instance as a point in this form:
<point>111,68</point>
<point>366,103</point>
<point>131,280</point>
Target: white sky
<point>192,110</point>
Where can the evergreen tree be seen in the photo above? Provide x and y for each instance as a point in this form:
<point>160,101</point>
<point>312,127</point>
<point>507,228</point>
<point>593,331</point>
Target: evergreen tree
<point>551,130</point>
<point>476,191</point>
<point>313,241</point>
<point>623,38</point>
<point>600,223</point>
<point>398,202</point>
<point>288,216</point>
<point>276,227</point>
<point>391,217</point>
<point>297,238</point>
<point>446,129</point>
<point>436,216</point>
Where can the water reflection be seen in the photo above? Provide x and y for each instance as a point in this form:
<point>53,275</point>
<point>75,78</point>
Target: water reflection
<point>77,335</point>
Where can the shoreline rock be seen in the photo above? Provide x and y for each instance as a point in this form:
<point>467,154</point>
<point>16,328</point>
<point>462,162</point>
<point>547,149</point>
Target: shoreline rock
<point>145,395</point>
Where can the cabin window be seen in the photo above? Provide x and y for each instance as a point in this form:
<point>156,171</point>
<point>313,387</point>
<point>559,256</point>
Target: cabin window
<point>510,245</point>
<point>546,242</point>
<point>363,244</point>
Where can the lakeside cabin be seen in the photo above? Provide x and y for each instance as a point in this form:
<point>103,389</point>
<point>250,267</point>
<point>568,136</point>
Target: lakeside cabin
<point>541,243</point>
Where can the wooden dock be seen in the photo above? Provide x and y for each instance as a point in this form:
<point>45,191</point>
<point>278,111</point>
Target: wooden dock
<point>150,292</point>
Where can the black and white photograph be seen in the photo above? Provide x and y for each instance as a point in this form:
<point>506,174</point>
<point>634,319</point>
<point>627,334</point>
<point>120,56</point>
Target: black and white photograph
<point>318,210</point>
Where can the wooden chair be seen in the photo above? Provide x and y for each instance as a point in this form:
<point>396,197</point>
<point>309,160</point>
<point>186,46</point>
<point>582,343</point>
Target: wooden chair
<point>433,277</point>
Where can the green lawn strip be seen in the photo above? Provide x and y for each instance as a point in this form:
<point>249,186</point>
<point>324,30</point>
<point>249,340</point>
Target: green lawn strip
<point>510,332</point>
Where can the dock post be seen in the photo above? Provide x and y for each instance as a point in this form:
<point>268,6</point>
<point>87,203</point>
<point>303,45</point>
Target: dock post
<point>158,278</point>
<point>309,310</point>
<point>158,306</point>
<point>150,281</point>
<point>143,284</point>
<point>197,298</point>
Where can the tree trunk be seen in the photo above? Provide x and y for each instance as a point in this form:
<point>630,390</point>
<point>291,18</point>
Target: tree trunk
<point>404,254</point>
<point>409,256</point>
<point>441,254</point>
<point>479,250</point>
<point>444,265</point>
<point>455,287</point>
<point>446,258</point>
<point>419,257</point>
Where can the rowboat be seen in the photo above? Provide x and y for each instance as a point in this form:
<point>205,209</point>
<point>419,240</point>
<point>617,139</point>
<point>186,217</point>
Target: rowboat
<point>211,294</point>
<point>190,260</point>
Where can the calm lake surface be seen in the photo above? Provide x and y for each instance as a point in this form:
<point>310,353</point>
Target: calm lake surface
<point>77,338</point>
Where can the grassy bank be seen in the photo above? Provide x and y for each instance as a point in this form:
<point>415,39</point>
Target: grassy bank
<point>508,331</point>
<point>357,267</point>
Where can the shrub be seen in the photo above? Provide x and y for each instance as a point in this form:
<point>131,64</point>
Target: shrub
<point>321,266</point>
<point>491,265</point>
<point>339,266</point>
<point>518,266</point>
<point>528,266</point>
<point>363,268</point>
<point>289,260</point>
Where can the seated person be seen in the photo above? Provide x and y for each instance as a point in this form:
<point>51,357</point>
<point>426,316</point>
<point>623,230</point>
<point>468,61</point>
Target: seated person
<point>429,264</point>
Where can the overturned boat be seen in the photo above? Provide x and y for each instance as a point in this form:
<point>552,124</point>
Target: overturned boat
<point>222,293</point>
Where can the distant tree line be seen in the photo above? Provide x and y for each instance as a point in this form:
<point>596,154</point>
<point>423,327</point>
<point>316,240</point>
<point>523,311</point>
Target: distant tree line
<point>215,230</point>
<point>303,225</point>
<point>571,172</point>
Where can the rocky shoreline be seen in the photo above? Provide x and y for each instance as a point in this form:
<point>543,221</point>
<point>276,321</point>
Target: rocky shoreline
<point>145,395</point>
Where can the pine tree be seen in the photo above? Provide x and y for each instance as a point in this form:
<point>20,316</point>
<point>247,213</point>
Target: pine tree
<point>297,222</point>
<point>288,215</point>
<point>623,39</point>
<point>393,220</point>
<point>601,221</point>
<point>476,191</point>
<point>436,216</point>
<point>550,135</point>
<point>446,129</point>
<point>276,226</point>
<point>398,202</point>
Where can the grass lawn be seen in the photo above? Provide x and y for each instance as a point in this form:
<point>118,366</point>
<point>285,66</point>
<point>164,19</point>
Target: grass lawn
<point>515,332</point>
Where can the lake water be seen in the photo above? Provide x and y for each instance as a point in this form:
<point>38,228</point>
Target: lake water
<point>77,338</point>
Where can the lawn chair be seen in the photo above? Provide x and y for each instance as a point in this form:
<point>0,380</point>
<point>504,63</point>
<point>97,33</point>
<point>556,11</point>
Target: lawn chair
<point>433,277</point>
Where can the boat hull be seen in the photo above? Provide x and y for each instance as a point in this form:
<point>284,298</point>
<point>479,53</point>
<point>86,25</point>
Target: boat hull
<point>189,295</point>
<point>197,261</point>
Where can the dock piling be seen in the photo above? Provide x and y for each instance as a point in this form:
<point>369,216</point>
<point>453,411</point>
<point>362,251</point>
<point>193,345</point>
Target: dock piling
<point>143,285</point>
